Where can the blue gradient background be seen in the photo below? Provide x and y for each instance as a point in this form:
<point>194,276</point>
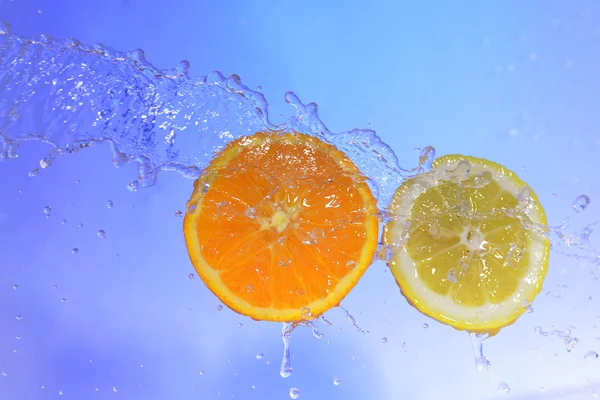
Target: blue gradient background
<point>516,82</point>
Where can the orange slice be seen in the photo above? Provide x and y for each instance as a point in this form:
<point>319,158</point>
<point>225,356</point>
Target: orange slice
<point>281,226</point>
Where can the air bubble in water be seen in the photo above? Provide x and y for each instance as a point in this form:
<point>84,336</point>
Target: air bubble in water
<point>15,287</point>
<point>178,214</point>
<point>191,276</point>
<point>63,222</point>
<point>580,203</point>
<point>425,326</point>
<point>75,251</point>
<point>34,172</point>
<point>115,389</point>
<point>64,300</point>
<point>591,355</point>
<point>384,340</point>
<point>294,393</point>
<point>259,356</point>
<point>337,381</point>
<point>503,387</point>
<point>101,234</point>
<point>109,204</point>
<point>20,318</point>
<point>61,392</point>
<point>219,307</point>
<point>47,210</point>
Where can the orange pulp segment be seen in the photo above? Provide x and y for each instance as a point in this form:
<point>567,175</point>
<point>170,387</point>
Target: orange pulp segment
<point>281,226</point>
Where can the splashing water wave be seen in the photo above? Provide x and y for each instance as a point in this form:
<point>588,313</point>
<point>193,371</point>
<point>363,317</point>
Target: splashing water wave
<point>72,96</point>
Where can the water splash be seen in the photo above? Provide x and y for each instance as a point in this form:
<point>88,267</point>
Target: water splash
<point>567,337</point>
<point>72,96</point>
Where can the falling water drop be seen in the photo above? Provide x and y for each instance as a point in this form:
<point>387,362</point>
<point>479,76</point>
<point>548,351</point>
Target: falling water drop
<point>503,387</point>
<point>482,362</point>
<point>286,363</point>
<point>294,393</point>
<point>580,203</point>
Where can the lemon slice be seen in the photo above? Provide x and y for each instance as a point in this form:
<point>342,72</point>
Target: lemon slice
<point>468,243</point>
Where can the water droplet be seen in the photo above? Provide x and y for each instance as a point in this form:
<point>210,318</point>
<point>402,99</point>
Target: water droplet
<point>384,340</point>
<point>580,203</point>
<point>15,287</point>
<point>452,276</point>
<point>40,11</point>
<point>306,314</point>
<point>47,210</point>
<point>178,214</point>
<point>384,253</point>
<point>133,186</point>
<point>75,251</point>
<point>34,172</point>
<point>337,381</point>
<point>61,392</point>
<point>425,326</point>
<point>191,276</point>
<point>80,225</point>
<point>115,389</point>
<point>201,372</point>
<point>109,204</point>
<point>64,300</point>
<point>527,306</point>
<point>538,330</point>
<point>219,307</point>
<point>18,337</point>
<point>20,318</point>
<point>249,288</point>
<point>250,212</point>
<point>294,393</point>
<point>240,325</point>
<point>591,355</point>
<point>483,179</point>
<point>503,387</point>
<point>4,373</point>
<point>259,356</point>
<point>63,222</point>
<point>102,234</point>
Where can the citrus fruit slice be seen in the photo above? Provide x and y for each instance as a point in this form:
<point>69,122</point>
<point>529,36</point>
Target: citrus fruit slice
<point>467,244</point>
<point>281,226</point>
